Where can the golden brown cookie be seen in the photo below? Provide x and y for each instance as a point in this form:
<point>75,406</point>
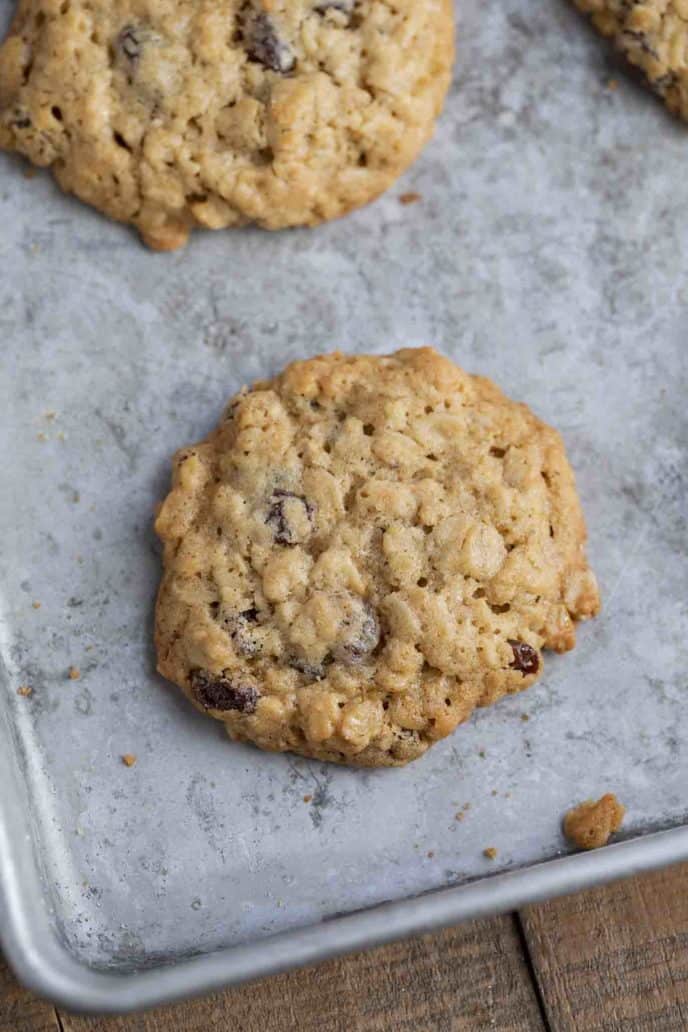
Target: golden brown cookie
<point>653,35</point>
<point>364,550</point>
<point>171,114</point>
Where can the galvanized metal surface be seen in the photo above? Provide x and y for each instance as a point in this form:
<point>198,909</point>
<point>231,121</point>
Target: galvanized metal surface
<point>548,253</point>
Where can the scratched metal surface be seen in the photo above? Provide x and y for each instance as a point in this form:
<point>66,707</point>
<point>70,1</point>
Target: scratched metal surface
<point>548,252</point>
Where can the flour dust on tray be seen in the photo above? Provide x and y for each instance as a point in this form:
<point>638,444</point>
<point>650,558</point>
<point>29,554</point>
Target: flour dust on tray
<point>362,552</point>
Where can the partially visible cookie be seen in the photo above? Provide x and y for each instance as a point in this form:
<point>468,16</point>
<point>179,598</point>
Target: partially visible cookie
<point>362,552</point>
<point>171,114</point>
<point>653,35</point>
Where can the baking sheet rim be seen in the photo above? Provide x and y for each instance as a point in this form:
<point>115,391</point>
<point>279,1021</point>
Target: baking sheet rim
<point>45,965</point>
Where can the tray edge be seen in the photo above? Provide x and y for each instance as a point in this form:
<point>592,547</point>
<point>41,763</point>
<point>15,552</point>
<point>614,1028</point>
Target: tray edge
<point>43,964</point>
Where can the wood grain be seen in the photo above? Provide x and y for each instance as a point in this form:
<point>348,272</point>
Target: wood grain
<point>20,1010</point>
<point>468,978</point>
<point>614,959</point>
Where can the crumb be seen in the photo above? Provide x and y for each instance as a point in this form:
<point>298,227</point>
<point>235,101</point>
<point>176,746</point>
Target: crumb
<point>613,84</point>
<point>431,853</point>
<point>410,198</point>
<point>88,648</point>
<point>307,798</point>
<point>41,436</point>
<point>50,415</point>
<point>25,690</point>
<point>493,792</point>
<point>36,605</point>
<point>74,673</point>
<point>591,824</point>
<point>128,759</point>
<point>481,754</point>
<point>459,816</point>
<point>61,436</point>
<point>525,718</point>
<point>466,806</point>
<point>490,853</point>
<point>76,497</point>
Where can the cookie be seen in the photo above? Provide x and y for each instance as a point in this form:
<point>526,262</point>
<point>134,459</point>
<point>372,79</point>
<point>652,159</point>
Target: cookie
<point>362,552</point>
<point>653,35</point>
<point>171,114</point>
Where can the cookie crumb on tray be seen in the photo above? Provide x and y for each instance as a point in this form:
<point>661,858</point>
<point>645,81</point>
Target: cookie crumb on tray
<point>410,198</point>
<point>591,824</point>
<point>490,853</point>
<point>128,759</point>
<point>74,673</point>
<point>25,690</point>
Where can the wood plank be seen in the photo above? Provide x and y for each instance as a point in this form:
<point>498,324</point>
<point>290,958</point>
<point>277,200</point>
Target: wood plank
<point>20,1010</point>
<point>614,959</point>
<point>467,978</point>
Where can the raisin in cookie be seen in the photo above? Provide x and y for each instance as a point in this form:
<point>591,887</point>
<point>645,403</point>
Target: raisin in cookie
<point>365,550</point>
<point>171,114</point>
<point>653,35</point>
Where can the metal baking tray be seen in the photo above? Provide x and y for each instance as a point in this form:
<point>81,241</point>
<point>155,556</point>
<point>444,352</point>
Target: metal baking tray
<point>548,252</point>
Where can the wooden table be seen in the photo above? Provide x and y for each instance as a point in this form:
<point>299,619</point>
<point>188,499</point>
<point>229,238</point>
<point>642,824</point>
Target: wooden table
<point>614,958</point>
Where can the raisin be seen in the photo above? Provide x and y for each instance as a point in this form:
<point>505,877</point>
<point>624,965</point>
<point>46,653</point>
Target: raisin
<point>218,692</point>
<point>526,659</point>
<point>364,637</point>
<point>265,46</point>
<point>277,517</point>
<point>129,42</point>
